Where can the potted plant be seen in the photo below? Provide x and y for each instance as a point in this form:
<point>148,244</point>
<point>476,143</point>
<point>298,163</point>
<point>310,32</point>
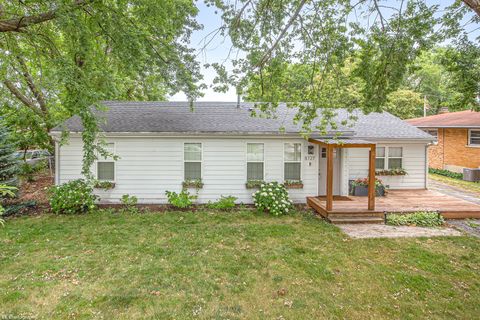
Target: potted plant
<point>293,184</point>
<point>360,187</point>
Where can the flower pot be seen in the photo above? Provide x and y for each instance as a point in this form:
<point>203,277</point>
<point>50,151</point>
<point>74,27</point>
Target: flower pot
<point>294,186</point>
<point>362,191</point>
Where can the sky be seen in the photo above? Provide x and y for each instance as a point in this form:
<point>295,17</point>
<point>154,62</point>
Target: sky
<point>218,49</point>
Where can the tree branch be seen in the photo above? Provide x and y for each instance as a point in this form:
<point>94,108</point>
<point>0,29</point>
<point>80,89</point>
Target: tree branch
<point>17,24</point>
<point>474,5</point>
<point>24,99</point>
<point>267,54</point>
<point>33,88</point>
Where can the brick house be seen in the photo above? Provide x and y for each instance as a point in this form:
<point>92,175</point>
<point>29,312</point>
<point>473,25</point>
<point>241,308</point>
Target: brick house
<point>458,139</point>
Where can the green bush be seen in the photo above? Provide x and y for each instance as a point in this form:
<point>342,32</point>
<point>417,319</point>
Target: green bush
<point>273,198</point>
<point>224,203</point>
<point>130,203</point>
<point>446,173</point>
<point>73,197</point>
<point>180,200</point>
<point>28,171</point>
<point>419,218</point>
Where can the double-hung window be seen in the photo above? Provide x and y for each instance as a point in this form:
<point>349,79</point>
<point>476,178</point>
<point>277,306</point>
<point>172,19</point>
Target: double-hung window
<point>292,167</point>
<point>255,161</point>
<point>106,165</point>
<point>389,158</point>
<point>192,155</point>
<point>474,137</point>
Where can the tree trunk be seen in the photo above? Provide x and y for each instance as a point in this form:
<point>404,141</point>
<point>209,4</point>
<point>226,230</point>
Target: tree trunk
<point>474,5</point>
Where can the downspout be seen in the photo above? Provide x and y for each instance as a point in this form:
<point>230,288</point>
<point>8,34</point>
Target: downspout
<point>57,163</point>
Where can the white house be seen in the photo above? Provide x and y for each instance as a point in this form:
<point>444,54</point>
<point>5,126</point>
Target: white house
<point>161,144</point>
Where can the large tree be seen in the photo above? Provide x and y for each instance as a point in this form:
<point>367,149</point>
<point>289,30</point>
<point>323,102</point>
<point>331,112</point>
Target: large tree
<point>61,57</point>
<point>383,38</point>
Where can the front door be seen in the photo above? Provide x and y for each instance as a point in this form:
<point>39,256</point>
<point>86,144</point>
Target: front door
<point>322,172</point>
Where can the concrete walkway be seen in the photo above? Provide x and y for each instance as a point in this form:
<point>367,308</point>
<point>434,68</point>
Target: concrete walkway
<point>364,231</point>
<point>453,191</point>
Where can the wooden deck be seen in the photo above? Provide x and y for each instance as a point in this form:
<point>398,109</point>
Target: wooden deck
<point>354,209</point>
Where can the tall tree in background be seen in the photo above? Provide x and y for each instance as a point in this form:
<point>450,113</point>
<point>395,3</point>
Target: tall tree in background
<point>383,37</point>
<point>61,57</point>
<point>8,162</point>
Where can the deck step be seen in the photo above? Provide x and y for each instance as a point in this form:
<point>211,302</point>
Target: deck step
<point>356,214</point>
<point>355,220</point>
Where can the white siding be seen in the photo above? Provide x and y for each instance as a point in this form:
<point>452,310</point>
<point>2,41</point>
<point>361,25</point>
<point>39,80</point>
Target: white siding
<point>148,166</point>
<point>413,163</point>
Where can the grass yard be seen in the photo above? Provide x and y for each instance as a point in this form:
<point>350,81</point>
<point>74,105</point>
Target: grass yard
<point>239,265</point>
<point>461,184</point>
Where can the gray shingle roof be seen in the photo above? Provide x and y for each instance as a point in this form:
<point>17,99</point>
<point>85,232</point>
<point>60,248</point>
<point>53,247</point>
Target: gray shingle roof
<point>226,117</point>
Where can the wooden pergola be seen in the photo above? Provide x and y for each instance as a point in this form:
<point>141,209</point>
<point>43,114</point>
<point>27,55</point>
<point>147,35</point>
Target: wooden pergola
<point>331,144</point>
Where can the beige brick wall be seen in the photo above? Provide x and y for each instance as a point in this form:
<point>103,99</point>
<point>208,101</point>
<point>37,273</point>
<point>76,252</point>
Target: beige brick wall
<point>452,149</point>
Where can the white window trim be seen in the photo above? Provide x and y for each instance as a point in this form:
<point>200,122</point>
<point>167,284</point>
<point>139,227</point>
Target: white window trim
<point>246,159</point>
<point>108,160</point>
<point>469,138</point>
<point>299,161</point>
<point>387,156</point>
<point>201,158</point>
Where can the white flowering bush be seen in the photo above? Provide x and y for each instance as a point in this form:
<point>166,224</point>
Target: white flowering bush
<point>272,197</point>
<point>73,197</point>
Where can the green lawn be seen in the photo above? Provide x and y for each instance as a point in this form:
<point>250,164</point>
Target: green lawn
<point>239,265</point>
<point>460,184</point>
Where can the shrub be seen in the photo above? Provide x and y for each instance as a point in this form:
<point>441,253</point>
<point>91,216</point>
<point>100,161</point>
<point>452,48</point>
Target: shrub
<point>419,218</point>
<point>28,171</point>
<point>129,202</point>
<point>73,197</point>
<point>180,200</point>
<point>5,191</point>
<point>272,197</point>
<point>446,173</point>
<point>224,203</point>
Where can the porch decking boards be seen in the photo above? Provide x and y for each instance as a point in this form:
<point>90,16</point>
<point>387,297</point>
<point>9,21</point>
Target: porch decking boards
<point>397,201</point>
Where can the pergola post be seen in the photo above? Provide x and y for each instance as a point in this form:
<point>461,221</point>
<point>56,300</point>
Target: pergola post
<point>329,177</point>
<point>371,178</point>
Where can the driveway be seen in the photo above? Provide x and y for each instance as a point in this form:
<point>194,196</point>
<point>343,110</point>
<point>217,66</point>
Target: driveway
<point>471,226</point>
<point>453,191</point>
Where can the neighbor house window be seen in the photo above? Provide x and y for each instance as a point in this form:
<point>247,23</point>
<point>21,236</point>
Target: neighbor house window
<point>432,132</point>
<point>106,165</point>
<point>292,161</point>
<point>255,161</point>
<point>474,137</point>
<point>192,161</point>
<point>389,158</point>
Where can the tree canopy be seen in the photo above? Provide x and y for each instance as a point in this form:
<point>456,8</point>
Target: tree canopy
<point>61,57</point>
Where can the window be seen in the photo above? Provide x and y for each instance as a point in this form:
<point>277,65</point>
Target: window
<point>324,153</point>
<point>380,159</point>
<point>292,161</point>
<point>395,157</point>
<point>106,166</point>
<point>192,161</point>
<point>432,132</point>
<point>255,165</point>
<point>474,137</point>
<point>389,158</point>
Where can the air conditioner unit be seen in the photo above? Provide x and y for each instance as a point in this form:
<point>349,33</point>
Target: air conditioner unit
<point>471,174</point>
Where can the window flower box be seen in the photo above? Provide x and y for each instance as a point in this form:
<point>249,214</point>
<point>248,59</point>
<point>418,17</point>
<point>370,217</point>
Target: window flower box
<point>391,172</point>
<point>253,184</point>
<point>105,185</point>
<point>195,183</point>
<point>293,184</point>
